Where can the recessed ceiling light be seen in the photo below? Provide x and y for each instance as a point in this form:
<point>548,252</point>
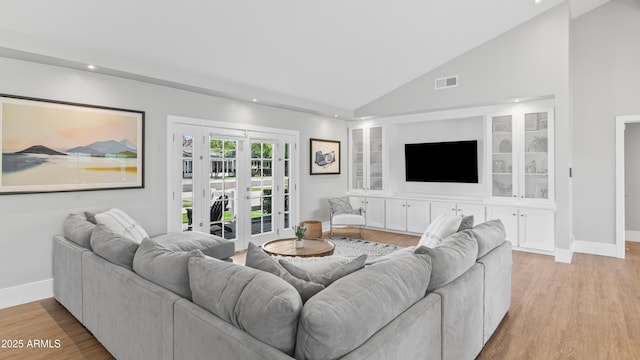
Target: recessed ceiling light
<point>537,1</point>
<point>516,100</point>
<point>91,67</point>
<point>254,100</point>
<point>335,115</point>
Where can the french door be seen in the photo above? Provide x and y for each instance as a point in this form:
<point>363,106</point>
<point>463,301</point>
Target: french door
<point>237,184</point>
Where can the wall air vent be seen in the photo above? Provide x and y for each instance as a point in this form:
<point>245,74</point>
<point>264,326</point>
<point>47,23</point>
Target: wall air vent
<point>446,82</point>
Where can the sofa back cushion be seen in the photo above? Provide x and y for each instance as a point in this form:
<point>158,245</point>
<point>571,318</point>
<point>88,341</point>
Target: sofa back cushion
<point>451,258</point>
<point>260,303</point>
<point>192,240</point>
<point>344,315</point>
<point>122,224</point>
<point>164,266</point>
<point>78,229</point>
<point>489,236</point>
<point>258,259</point>
<point>114,247</point>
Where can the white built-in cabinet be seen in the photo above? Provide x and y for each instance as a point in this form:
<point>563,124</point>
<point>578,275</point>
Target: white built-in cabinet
<point>526,228</point>
<point>520,152</point>
<point>374,210</point>
<point>407,215</point>
<point>460,209</point>
<point>366,157</point>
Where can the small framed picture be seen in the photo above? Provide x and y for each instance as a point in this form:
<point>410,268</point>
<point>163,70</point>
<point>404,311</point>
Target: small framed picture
<point>530,123</point>
<point>501,125</point>
<point>325,157</point>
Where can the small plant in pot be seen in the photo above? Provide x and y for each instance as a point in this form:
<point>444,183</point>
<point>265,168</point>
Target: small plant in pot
<point>299,231</point>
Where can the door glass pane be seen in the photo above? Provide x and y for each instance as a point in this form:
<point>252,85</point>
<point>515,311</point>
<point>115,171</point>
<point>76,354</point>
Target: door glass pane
<point>286,185</point>
<point>357,154</point>
<point>261,197</point>
<point>502,156</point>
<point>223,188</point>
<point>536,159</point>
<point>375,158</point>
<point>187,182</point>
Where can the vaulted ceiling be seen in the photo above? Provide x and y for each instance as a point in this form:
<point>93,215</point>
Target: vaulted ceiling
<point>326,56</point>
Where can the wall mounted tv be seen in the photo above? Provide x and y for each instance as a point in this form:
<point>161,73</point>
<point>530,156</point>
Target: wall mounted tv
<point>451,162</point>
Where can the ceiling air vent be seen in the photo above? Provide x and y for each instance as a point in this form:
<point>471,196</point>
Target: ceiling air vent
<point>446,82</point>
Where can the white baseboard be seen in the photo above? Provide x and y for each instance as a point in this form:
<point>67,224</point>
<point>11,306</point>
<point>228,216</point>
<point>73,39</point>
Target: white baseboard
<point>594,248</point>
<point>22,294</point>
<point>564,256</point>
<point>632,235</point>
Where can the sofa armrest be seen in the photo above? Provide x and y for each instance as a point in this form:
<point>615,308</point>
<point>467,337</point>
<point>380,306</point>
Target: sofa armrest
<point>67,274</point>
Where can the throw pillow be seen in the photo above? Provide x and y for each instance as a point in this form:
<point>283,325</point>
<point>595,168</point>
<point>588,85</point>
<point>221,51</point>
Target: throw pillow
<point>466,223</point>
<point>164,266</point>
<point>451,258</point>
<point>122,224</point>
<point>257,302</point>
<point>91,217</point>
<point>341,205</point>
<point>258,259</point>
<point>489,235</point>
<point>439,229</point>
<point>77,229</point>
<point>325,278</point>
<point>347,313</point>
<point>115,248</point>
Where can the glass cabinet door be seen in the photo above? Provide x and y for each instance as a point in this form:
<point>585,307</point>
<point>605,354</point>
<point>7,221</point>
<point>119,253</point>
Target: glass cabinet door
<point>502,164</point>
<point>536,155</point>
<point>375,159</point>
<point>357,156</point>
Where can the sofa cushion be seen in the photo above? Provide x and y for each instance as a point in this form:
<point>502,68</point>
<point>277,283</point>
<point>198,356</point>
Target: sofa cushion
<point>77,229</point>
<point>347,313</point>
<point>165,267</point>
<point>451,258</point>
<point>257,302</point>
<point>122,224</point>
<point>192,240</point>
<point>489,235</point>
<point>258,259</point>
<point>439,229</point>
<point>115,248</point>
<point>326,277</point>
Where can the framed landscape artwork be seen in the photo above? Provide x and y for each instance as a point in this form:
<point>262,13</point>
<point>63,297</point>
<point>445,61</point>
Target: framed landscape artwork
<point>51,146</point>
<point>325,157</point>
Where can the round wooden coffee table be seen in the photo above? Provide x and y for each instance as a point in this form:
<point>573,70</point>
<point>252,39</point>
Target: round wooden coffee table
<point>287,247</point>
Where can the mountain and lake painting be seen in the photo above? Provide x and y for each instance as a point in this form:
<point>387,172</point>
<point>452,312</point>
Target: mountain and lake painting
<point>60,147</point>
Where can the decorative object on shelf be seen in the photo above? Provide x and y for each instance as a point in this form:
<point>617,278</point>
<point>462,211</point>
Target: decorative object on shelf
<point>501,189</point>
<point>501,125</point>
<point>543,124</point>
<point>498,166</point>
<point>505,146</point>
<point>325,157</point>
<point>532,167</point>
<point>299,232</point>
<point>538,144</point>
<point>53,146</point>
<point>531,122</point>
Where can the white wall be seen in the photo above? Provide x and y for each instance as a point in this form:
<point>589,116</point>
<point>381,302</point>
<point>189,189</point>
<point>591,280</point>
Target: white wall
<point>632,176</point>
<point>434,131</point>
<point>606,83</point>
<point>28,222</point>
<point>530,61</point>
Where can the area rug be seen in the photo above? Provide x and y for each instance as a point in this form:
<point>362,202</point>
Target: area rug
<point>348,249</point>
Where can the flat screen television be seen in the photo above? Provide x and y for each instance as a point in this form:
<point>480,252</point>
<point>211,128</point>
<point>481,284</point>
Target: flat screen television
<point>450,162</point>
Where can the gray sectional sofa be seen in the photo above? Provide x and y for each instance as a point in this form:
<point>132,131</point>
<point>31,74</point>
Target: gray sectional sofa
<point>416,303</point>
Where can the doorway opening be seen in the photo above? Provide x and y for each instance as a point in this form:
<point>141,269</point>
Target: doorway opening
<point>621,224</point>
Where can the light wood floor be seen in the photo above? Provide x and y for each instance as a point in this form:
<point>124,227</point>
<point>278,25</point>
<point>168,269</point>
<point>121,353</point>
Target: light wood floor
<point>589,309</point>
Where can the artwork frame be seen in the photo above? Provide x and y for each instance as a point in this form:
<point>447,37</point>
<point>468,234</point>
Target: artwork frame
<point>58,146</point>
<point>324,157</point>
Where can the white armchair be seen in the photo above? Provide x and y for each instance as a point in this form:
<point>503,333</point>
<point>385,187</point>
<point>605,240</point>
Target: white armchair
<point>343,213</point>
